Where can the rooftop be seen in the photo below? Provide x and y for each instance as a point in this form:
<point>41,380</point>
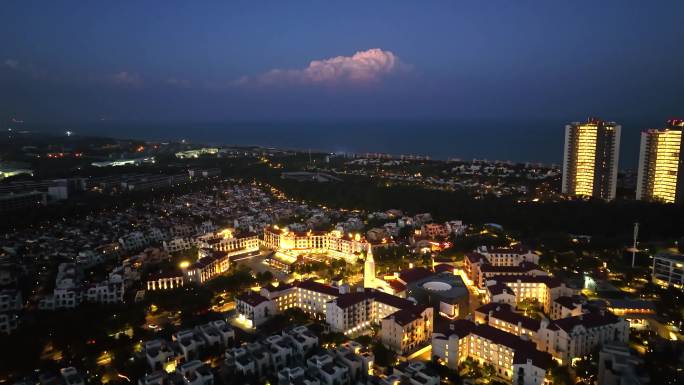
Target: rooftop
<point>415,274</point>
<point>312,285</point>
<point>251,298</point>
<point>588,320</point>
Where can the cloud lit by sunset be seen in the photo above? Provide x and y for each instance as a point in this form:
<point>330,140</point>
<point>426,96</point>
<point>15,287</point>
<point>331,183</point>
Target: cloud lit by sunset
<point>363,67</point>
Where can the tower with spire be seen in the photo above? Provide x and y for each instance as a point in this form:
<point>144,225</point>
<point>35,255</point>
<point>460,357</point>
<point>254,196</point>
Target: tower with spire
<point>369,280</point>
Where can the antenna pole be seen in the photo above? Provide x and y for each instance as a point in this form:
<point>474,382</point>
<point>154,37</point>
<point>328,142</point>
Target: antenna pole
<point>634,246</point>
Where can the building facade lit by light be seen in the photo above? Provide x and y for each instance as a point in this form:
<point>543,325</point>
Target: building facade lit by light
<point>333,243</point>
<point>660,162</point>
<point>668,270</point>
<point>590,161</point>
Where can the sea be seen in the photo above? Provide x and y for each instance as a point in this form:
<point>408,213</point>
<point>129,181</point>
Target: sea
<point>534,141</point>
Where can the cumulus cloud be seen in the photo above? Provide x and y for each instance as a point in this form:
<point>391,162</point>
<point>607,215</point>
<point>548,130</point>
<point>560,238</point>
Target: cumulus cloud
<point>363,67</point>
<point>126,78</point>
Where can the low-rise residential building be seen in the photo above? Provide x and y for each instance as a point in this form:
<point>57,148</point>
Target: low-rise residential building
<point>335,243</point>
<point>71,376</point>
<point>230,245</point>
<point>668,270</point>
<point>10,300</point>
<point>509,256</point>
<point>434,230</point>
<point>567,306</point>
<point>309,296</point>
<point>617,366</point>
<point>157,377</point>
<point>407,329</point>
<point>542,289</point>
<point>216,333</point>
<point>357,358</point>
<point>177,244</point>
<point>188,345</point>
<point>210,265</point>
<point>273,355</point>
<point>502,316</point>
<point>297,375</point>
<point>329,370</point>
<point>9,322</point>
<point>313,296</point>
<point>414,373</point>
<point>196,372</point>
<point>107,291</point>
<point>573,337</point>
<point>488,272</point>
<point>253,309</point>
<point>62,299</point>
<point>471,266</point>
<point>166,281</point>
<point>513,358</point>
<point>283,295</point>
<point>158,353</point>
<point>636,311</point>
<point>352,312</point>
<point>134,240</point>
<point>484,265</point>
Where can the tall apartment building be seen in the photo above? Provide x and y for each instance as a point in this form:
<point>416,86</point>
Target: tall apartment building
<point>660,163</point>
<point>590,161</point>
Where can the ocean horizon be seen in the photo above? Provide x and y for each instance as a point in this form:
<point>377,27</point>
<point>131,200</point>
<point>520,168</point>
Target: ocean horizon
<point>534,141</point>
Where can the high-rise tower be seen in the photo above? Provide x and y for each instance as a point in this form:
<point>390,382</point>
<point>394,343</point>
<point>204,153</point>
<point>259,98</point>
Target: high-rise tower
<point>590,161</point>
<point>660,174</point>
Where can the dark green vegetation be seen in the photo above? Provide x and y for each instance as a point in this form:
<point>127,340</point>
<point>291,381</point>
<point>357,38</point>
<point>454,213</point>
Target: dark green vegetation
<point>609,219</point>
<point>74,337</point>
<point>88,202</point>
<point>89,336</point>
<point>528,219</point>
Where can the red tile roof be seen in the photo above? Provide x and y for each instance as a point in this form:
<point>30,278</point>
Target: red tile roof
<point>589,320</point>
<point>442,267</point>
<point>392,300</point>
<point>500,288</point>
<point>251,298</point>
<point>408,315</point>
<point>312,285</point>
<point>517,249</point>
<point>567,302</point>
<point>411,275</point>
<point>506,314</point>
<point>350,299</point>
<point>475,257</point>
<point>521,268</point>
<point>547,280</point>
<point>523,350</point>
<point>397,286</point>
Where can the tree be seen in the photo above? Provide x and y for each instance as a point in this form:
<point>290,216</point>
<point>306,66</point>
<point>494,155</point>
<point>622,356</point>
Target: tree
<point>488,371</point>
<point>383,356</point>
<point>559,375</point>
<point>364,340</point>
<point>470,368</point>
<point>296,316</point>
<point>264,277</point>
<point>333,338</point>
<point>530,308</point>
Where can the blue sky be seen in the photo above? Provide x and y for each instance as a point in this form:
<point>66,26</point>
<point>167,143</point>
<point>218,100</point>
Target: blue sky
<point>233,60</point>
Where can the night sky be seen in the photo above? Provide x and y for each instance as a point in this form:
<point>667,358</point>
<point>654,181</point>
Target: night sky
<point>269,60</point>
